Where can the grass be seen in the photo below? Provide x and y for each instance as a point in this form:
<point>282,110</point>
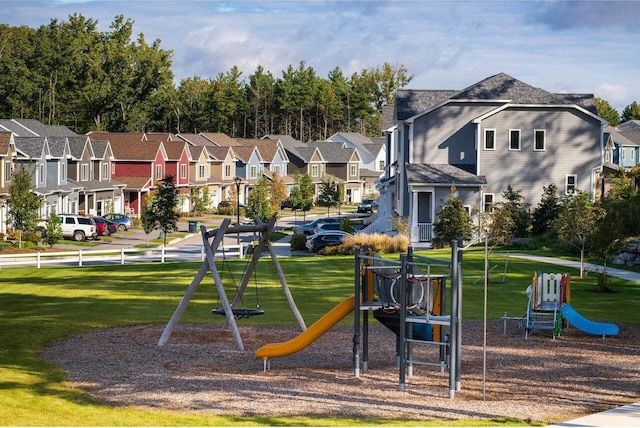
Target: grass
<point>42,306</point>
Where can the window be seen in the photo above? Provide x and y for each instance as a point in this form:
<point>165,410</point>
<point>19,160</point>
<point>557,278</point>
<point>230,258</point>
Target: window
<point>227,171</point>
<point>539,137</point>
<point>489,139</point>
<point>253,171</point>
<point>514,139</point>
<point>276,170</point>
<point>84,172</point>
<point>63,171</point>
<point>105,171</point>
<point>571,184</point>
<point>381,165</point>
<point>201,171</point>
<point>183,171</point>
<point>353,170</point>
<point>314,170</point>
<point>41,173</point>
<point>158,172</point>
<point>488,202</point>
<point>7,171</point>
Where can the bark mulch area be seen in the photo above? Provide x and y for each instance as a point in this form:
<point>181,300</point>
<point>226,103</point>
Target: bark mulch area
<point>199,370</point>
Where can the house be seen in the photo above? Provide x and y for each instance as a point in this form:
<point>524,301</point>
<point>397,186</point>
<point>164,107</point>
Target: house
<point>373,157</point>
<point>343,163</point>
<point>7,154</point>
<point>497,132</point>
<point>177,165</point>
<point>138,163</point>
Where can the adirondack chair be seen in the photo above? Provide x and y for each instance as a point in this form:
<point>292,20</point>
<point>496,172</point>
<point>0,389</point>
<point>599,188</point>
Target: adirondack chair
<point>547,294</point>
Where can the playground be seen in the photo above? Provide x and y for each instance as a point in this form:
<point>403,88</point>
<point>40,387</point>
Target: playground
<point>505,368</point>
<point>200,370</point>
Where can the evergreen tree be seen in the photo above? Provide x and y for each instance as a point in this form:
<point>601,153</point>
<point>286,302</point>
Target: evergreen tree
<point>147,217</point>
<point>631,112</point>
<point>607,112</point>
<point>165,207</point>
<point>23,202</point>
<point>547,211</point>
<point>453,222</point>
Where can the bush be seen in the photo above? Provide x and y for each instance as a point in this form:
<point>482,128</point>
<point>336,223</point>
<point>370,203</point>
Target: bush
<point>377,242</point>
<point>298,241</point>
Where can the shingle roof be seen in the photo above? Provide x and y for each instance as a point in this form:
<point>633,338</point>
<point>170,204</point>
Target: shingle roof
<point>30,146</point>
<point>219,152</point>
<point>5,141</point>
<point>56,146</point>
<point>77,145</point>
<point>243,152</point>
<point>220,138</point>
<point>498,87</point>
<point>16,128</point>
<point>140,151</point>
<point>174,149</point>
<point>46,130</point>
<point>630,125</point>
<point>442,174</point>
<point>196,140</point>
<point>118,137</point>
<point>333,152</point>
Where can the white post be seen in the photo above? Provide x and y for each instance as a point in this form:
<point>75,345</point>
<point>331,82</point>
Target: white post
<point>122,255</point>
<point>79,257</point>
<point>162,253</point>
<point>38,259</point>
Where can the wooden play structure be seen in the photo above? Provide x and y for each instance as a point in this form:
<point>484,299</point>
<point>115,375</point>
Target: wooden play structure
<point>211,241</point>
<point>409,297</point>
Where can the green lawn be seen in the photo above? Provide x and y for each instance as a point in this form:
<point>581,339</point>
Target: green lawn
<point>42,306</point>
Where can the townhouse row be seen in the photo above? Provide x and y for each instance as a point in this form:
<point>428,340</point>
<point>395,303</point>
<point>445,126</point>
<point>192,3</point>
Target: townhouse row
<point>104,172</point>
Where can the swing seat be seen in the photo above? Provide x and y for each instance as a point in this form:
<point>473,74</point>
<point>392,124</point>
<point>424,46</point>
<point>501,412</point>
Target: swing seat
<point>239,313</point>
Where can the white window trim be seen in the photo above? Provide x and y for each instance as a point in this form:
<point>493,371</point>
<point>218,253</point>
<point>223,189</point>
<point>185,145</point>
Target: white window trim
<point>544,140</point>
<point>315,170</point>
<point>253,171</point>
<point>484,201</point>
<point>158,172</point>
<point>353,170</point>
<point>519,140</point>
<point>566,184</point>
<point>495,135</point>
<point>183,170</point>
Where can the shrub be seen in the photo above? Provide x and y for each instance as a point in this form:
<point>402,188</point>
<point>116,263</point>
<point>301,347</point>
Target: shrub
<point>377,242</point>
<point>298,241</point>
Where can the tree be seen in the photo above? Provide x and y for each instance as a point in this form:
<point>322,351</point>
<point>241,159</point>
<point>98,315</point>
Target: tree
<point>258,201</point>
<point>509,219</point>
<point>23,202</point>
<point>301,195</point>
<point>329,194</point>
<point>631,112</point>
<point>453,222</point>
<point>609,235</point>
<point>165,207</point>
<point>607,112</point>
<point>547,211</point>
<point>277,192</point>
<point>53,230</point>
<point>200,199</point>
<point>577,221</point>
<point>147,217</point>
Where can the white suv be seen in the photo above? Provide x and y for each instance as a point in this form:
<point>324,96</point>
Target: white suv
<point>76,227</point>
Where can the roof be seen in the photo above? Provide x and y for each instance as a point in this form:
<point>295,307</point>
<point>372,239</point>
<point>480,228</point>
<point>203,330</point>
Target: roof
<point>334,152</point>
<point>30,146</point>
<point>500,87</point>
<point>174,149</point>
<point>220,152</point>
<point>45,130</point>
<point>442,175</point>
<point>196,140</point>
<point>220,138</point>
<point>140,151</point>
<point>117,137</point>
<point>630,125</point>
<point>16,128</point>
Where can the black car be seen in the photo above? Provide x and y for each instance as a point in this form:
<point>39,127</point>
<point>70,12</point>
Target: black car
<point>285,204</point>
<point>320,241</point>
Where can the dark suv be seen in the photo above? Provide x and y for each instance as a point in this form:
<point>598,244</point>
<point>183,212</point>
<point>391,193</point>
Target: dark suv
<point>368,206</point>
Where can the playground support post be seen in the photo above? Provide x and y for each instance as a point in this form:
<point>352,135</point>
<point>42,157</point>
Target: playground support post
<point>453,330</point>
<point>356,316</point>
<point>403,322</point>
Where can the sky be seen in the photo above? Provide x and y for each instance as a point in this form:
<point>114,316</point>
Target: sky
<point>559,46</point>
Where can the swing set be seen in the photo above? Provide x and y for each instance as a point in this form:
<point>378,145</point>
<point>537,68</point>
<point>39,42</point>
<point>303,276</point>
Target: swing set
<point>232,310</point>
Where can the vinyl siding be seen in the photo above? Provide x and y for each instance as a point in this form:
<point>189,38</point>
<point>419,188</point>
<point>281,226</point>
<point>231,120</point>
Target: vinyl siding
<point>572,146</point>
<point>447,135</point>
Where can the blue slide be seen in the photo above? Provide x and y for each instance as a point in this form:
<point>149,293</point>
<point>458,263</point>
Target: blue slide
<point>588,326</point>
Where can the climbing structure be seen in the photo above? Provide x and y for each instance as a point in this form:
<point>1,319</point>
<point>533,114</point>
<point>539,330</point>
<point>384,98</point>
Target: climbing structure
<point>408,297</point>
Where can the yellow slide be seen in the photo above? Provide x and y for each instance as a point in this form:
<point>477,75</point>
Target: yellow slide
<point>304,339</point>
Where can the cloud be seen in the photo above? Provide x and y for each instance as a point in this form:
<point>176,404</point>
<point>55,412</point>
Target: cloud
<point>590,14</point>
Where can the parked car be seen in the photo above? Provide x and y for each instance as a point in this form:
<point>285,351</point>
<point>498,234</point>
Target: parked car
<point>105,227</point>
<point>225,203</point>
<point>321,227</point>
<point>285,204</point>
<point>368,206</point>
<point>320,241</point>
<point>307,229</point>
<point>124,222</point>
<point>76,227</point>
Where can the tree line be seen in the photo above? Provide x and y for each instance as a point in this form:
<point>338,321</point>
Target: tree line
<point>69,73</point>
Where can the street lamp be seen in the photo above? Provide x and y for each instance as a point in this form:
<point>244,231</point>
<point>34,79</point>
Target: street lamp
<point>238,181</point>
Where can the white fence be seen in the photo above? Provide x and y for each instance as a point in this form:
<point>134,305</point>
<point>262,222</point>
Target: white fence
<point>122,256</point>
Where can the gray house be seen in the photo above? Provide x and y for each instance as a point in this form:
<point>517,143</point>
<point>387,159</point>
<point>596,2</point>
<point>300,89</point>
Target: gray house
<point>497,132</point>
